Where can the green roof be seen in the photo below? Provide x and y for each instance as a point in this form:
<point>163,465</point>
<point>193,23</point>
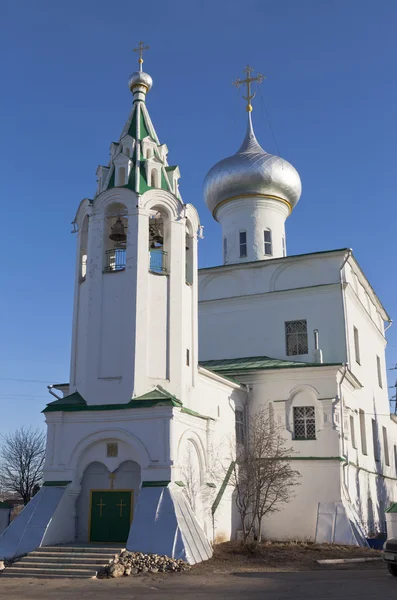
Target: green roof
<point>157,397</point>
<point>75,402</point>
<point>257,363</point>
<point>392,508</point>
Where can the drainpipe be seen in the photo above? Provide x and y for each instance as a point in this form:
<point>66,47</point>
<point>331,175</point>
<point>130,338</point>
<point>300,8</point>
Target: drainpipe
<point>348,255</point>
<point>389,325</point>
<point>53,393</point>
<point>342,423</point>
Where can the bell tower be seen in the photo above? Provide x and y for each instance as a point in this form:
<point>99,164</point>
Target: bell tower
<point>135,301</point>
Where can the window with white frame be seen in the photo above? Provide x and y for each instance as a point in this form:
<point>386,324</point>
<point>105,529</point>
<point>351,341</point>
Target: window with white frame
<point>386,446</point>
<point>243,244</point>
<point>267,242</point>
<point>375,440</point>
<point>304,423</point>
<point>296,337</point>
<point>356,345</point>
<point>240,425</point>
<point>363,432</point>
<point>379,369</point>
<point>352,432</point>
<point>225,250</point>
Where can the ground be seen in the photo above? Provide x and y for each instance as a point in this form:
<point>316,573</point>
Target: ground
<point>369,583</point>
<point>282,571</point>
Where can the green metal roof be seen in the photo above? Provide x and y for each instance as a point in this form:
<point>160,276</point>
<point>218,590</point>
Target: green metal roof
<point>392,508</point>
<point>257,363</point>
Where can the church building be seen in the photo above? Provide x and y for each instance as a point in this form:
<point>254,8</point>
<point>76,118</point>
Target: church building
<point>168,362</point>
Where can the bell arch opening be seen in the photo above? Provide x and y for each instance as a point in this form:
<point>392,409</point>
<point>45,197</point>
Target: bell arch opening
<point>159,240</point>
<point>83,249</point>
<point>115,237</point>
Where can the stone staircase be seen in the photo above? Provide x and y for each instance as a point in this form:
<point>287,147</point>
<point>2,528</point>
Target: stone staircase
<point>58,562</point>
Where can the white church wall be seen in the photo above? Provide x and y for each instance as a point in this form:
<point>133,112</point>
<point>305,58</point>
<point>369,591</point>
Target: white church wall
<point>319,482</point>
<point>158,331</point>
<point>111,335</point>
<point>240,326</point>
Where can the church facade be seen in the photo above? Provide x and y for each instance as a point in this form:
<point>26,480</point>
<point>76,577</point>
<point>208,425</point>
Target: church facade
<point>168,363</point>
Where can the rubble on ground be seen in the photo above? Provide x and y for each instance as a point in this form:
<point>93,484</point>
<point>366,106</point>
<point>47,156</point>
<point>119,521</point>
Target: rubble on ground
<point>132,563</point>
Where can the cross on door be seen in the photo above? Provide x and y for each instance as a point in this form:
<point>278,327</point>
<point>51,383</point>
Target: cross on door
<point>101,505</point>
<point>121,505</point>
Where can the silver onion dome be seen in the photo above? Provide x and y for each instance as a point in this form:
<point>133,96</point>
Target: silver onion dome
<point>251,171</point>
<point>139,78</point>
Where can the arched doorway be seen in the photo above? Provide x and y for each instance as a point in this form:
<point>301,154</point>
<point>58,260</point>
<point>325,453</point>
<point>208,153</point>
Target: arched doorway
<point>105,506</point>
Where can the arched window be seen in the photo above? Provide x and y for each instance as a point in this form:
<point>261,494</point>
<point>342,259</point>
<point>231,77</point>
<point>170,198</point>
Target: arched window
<point>158,241</point>
<point>267,240</point>
<point>153,178</point>
<point>83,248</point>
<point>240,425</point>
<point>120,176</point>
<point>189,243</point>
<point>115,237</point>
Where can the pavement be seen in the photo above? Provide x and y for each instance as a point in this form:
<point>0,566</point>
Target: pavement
<point>365,583</point>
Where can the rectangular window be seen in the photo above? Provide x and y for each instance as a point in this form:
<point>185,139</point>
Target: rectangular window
<point>395,458</point>
<point>379,368</point>
<point>375,440</point>
<point>283,245</point>
<point>386,446</point>
<point>267,240</point>
<point>224,250</point>
<point>356,345</point>
<point>243,244</point>
<point>188,357</point>
<point>112,450</point>
<point>296,337</point>
<point>304,423</point>
<point>352,432</point>
<point>363,433</point>
<point>240,425</point>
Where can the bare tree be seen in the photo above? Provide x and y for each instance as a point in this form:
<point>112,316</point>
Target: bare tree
<point>262,476</point>
<point>21,462</point>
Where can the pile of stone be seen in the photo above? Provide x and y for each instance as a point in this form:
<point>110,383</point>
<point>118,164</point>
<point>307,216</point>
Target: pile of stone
<point>132,563</point>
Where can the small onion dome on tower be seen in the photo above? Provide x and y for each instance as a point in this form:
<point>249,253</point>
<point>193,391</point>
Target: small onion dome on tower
<point>251,172</point>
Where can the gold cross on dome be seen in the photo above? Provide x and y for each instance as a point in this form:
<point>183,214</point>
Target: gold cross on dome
<point>248,81</point>
<point>141,49</point>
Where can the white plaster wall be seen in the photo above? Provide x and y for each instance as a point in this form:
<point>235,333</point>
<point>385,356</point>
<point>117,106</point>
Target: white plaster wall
<point>319,482</point>
<point>158,331</point>
<point>252,215</point>
<point>255,325</point>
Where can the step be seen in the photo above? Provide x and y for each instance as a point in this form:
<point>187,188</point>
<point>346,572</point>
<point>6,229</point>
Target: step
<point>81,549</point>
<point>29,564</point>
<point>43,570</point>
<point>27,575</point>
<point>81,559</point>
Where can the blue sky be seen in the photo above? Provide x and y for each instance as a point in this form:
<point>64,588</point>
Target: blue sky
<point>330,95</point>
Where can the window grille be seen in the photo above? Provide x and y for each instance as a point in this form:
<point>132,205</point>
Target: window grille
<point>304,423</point>
<point>296,337</point>
<point>243,244</point>
<point>267,237</point>
<point>240,425</point>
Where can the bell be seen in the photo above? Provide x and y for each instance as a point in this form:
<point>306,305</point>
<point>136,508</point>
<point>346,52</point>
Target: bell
<point>118,234</point>
<point>157,241</point>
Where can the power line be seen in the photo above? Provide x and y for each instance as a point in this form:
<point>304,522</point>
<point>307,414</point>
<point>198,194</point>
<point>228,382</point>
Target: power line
<point>266,116</point>
<point>23,380</point>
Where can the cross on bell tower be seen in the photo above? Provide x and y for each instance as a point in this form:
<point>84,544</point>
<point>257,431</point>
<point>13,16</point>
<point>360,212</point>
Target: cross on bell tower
<point>141,49</point>
<point>248,81</point>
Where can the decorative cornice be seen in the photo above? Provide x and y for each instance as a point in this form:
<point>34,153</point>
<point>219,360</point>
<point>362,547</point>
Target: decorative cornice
<point>243,196</point>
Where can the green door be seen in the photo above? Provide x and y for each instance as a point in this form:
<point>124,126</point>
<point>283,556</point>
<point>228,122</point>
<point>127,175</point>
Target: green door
<point>110,515</point>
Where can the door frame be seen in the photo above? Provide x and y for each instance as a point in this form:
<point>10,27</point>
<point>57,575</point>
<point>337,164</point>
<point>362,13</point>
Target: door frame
<point>131,491</point>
